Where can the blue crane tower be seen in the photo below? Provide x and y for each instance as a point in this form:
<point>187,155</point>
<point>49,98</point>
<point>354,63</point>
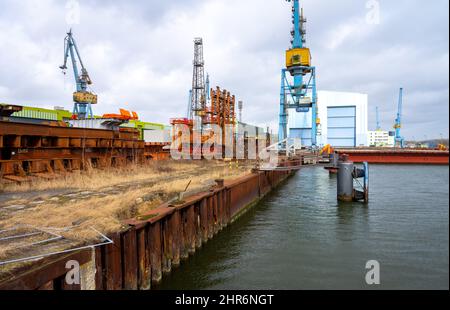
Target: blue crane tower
<point>83,99</point>
<point>399,140</point>
<point>378,120</point>
<point>300,95</point>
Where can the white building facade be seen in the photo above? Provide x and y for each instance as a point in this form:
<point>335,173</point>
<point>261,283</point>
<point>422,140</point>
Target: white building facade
<point>343,120</point>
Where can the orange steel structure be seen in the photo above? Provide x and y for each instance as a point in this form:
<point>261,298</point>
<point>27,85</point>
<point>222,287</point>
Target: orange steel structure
<point>156,151</point>
<point>221,112</point>
<point>124,115</point>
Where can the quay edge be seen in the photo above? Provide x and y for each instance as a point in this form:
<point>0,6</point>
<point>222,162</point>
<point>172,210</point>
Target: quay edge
<point>151,246</point>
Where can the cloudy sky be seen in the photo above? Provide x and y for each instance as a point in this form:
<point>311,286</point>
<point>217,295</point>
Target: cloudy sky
<point>139,54</point>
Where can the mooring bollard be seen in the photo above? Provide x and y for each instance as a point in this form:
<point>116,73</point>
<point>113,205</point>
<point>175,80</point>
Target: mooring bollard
<point>345,181</point>
<point>334,164</point>
<point>220,183</point>
<point>347,173</point>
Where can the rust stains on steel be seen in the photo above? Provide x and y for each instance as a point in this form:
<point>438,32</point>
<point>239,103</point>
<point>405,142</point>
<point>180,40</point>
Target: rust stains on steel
<point>153,244</point>
<point>42,151</point>
<point>143,256</point>
<point>155,251</point>
<point>399,156</point>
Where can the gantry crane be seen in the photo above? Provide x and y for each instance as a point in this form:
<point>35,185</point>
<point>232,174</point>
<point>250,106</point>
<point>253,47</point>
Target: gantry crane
<point>302,94</point>
<point>83,99</point>
<point>399,140</point>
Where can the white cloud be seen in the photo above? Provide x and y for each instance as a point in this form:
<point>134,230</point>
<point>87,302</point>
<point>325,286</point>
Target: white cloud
<point>354,29</point>
<point>139,54</point>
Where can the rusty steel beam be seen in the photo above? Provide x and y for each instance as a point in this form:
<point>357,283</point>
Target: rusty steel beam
<point>144,265</point>
<point>130,260</point>
<point>155,251</point>
<point>198,225</point>
<point>191,232</point>
<point>31,148</point>
<point>185,235</point>
<point>99,270</point>
<point>204,218</point>
<point>22,129</point>
<point>113,264</point>
<point>210,220</point>
<point>175,226</point>
<point>167,240</point>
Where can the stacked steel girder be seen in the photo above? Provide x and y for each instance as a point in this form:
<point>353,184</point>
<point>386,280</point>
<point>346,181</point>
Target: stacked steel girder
<point>40,150</point>
<point>221,112</point>
<point>156,151</point>
<point>223,109</point>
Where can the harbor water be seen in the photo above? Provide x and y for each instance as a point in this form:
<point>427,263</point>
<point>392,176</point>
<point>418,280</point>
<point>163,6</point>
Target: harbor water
<point>300,237</point>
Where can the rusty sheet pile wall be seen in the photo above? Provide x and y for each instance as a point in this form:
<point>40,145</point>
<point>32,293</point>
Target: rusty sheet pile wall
<point>156,243</point>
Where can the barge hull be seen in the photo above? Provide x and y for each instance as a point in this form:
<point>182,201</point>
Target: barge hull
<point>406,157</point>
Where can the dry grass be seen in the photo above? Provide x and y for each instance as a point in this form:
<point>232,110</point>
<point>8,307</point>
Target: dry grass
<point>96,178</point>
<point>106,213</point>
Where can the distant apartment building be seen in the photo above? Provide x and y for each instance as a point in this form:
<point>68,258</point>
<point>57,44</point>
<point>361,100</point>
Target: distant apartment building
<point>380,138</point>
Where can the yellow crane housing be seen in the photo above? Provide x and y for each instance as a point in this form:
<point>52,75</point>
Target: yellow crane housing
<point>298,57</point>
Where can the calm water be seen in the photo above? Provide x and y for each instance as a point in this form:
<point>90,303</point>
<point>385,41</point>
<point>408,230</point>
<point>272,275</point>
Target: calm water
<point>300,238</point>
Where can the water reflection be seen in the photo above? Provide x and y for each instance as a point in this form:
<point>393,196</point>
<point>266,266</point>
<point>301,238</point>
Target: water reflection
<point>299,237</point>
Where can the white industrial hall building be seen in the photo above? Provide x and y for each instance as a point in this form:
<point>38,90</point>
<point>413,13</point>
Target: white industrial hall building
<point>343,120</point>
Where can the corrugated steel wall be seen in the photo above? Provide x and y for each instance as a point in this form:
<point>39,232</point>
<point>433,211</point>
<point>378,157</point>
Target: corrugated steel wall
<point>146,250</point>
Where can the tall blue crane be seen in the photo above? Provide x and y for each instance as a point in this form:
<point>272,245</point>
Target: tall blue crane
<point>378,120</point>
<point>399,140</point>
<point>300,95</point>
<point>83,99</point>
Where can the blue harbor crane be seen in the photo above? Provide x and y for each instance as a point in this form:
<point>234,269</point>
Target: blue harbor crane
<point>188,115</point>
<point>378,120</point>
<point>399,140</point>
<point>300,95</point>
<point>83,99</point>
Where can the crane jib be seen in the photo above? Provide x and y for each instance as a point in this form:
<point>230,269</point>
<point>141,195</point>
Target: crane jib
<point>83,99</point>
